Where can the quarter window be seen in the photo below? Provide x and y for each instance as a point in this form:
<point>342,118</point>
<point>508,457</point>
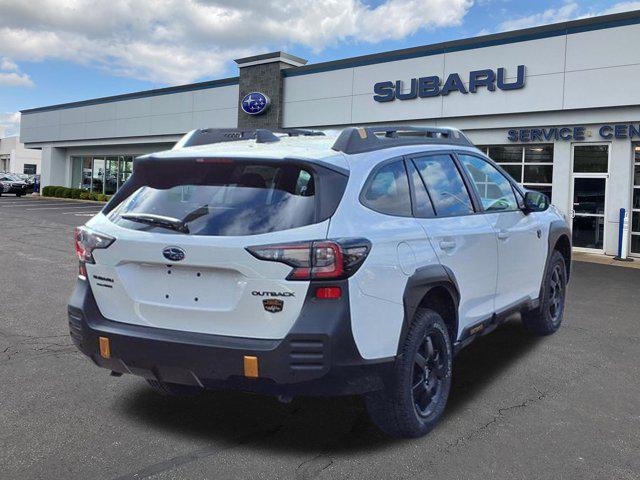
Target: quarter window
<point>495,191</point>
<point>388,190</point>
<point>445,185</point>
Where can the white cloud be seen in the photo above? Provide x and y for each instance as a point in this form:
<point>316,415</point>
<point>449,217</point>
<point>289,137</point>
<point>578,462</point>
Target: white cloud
<point>9,123</point>
<point>551,15</point>
<point>571,10</point>
<point>11,76</point>
<point>621,7</point>
<point>6,64</point>
<point>175,41</point>
<point>13,79</point>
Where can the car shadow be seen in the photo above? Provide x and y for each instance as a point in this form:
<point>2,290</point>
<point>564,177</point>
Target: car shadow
<point>309,424</point>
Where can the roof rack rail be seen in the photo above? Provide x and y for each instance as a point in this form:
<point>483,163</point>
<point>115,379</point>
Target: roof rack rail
<point>207,136</point>
<point>366,139</point>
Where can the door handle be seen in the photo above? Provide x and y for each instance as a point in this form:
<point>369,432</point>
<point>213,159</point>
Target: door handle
<point>447,245</point>
<point>503,235</point>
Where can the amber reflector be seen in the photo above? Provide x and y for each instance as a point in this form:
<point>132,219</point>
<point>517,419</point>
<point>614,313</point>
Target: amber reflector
<point>105,350</point>
<point>251,366</point>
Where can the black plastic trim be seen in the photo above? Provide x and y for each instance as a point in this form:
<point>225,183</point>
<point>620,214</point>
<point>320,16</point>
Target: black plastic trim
<point>318,356</point>
<point>355,140</point>
<point>423,280</point>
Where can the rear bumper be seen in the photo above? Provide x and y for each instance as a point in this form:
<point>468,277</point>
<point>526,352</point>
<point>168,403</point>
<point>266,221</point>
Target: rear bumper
<point>317,357</point>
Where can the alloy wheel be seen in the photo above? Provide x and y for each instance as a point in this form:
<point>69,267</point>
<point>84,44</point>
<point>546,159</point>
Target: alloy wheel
<point>429,370</point>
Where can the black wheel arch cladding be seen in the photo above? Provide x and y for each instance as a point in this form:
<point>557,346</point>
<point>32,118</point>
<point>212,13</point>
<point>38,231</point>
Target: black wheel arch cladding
<point>423,281</point>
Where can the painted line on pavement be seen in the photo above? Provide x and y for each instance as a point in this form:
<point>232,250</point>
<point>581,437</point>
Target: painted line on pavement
<point>61,206</point>
<point>80,212</point>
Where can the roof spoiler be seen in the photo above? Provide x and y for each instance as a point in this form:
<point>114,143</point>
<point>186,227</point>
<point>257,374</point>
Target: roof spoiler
<point>208,136</point>
<point>366,139</point>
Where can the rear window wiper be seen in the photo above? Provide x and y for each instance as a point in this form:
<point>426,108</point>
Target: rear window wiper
<point>158,221</point>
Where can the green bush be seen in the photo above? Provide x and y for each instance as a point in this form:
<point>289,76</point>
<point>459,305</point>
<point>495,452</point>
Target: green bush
<point>77,193</point>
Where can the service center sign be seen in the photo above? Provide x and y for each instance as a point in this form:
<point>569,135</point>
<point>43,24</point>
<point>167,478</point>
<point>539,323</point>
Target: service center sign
<point>432,86</point>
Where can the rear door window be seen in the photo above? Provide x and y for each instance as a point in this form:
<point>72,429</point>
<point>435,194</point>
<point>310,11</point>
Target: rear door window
<point>232,199</point>
<point>387,190</point>
<point>445,185</point>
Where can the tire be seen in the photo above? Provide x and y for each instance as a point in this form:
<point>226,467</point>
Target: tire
<point>414,400</point>
<point>174,389</point>
<point>546,319</point>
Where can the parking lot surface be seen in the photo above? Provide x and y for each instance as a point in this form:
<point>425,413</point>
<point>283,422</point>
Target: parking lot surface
<point>561,407</point>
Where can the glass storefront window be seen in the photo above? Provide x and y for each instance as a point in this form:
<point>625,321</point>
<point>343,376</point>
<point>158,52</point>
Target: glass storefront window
<point>505,154</point>
<point>538,154</point>
<point>101,174</point>
<point>591,159</point>
<point>635,205</point>
<point>529,165</point>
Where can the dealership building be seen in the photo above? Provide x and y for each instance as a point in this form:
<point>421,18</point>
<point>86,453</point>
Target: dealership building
<point>557,106</point>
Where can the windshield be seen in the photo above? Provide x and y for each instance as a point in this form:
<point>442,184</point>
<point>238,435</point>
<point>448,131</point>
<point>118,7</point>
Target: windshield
<point>232,199</point>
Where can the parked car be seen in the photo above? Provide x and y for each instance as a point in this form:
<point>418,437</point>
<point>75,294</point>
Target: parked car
<point>12,184</point>
<point>296,264</point>
<point>28,179</point>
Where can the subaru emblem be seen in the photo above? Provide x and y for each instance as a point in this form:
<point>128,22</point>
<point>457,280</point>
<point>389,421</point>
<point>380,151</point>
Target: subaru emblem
<point>175,254</point>
<point>255,103</point>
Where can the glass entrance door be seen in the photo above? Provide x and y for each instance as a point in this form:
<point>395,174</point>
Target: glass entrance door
<point>111,175</point>
<point>588,212</point>
<point>590,174</point>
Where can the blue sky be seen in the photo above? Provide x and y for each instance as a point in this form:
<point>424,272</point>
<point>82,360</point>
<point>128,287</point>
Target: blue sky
<point>56,51</point>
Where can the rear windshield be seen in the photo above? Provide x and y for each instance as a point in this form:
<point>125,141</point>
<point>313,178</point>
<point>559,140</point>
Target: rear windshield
<point>228,200</point>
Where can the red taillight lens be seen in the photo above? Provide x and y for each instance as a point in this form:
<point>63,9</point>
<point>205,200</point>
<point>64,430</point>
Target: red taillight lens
<point>328,293</point>
<point>323,259</point>
<point>87,241</point>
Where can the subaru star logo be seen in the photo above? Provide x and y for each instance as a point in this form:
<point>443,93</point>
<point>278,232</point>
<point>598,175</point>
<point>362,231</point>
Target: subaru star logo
<point>255,103</point>
<point>175,254</point>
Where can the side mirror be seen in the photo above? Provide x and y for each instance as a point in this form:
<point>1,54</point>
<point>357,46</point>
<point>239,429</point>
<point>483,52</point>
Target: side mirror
<point>535,202</point>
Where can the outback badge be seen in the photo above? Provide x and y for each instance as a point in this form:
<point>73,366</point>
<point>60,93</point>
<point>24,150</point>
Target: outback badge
<point>273,305</point>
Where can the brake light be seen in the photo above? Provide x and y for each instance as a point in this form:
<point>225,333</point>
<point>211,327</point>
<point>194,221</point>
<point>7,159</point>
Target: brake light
<point>86,241</point>
<point>322,259</point>
<point>328,293</point>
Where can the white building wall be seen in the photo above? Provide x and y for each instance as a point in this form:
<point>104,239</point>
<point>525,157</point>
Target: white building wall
<point>169,114</point>
<point>565,72</point>
<point>18,156</point>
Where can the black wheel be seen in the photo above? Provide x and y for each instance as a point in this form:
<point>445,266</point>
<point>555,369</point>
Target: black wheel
<point>18,195</point>
<point>174,389</point>
<point>546,319</point>
<point>411,405</point>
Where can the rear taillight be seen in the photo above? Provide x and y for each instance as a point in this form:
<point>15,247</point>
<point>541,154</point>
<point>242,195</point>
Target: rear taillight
<point>86,241</point>
<point>321,260</point>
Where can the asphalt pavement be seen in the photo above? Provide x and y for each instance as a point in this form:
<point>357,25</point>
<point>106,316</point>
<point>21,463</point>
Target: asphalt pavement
<point>561,407</point>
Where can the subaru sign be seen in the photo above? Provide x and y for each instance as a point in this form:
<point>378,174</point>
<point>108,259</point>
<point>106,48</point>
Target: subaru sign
<point>432,86</point>
<point>255,103</point>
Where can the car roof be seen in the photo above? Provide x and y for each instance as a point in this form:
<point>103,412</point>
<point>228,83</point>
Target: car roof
<point>311,148</point>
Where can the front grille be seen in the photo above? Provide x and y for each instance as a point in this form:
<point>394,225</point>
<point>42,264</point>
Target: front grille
<point>306,354</point>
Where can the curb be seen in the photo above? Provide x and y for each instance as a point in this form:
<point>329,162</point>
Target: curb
<point>77,200</point>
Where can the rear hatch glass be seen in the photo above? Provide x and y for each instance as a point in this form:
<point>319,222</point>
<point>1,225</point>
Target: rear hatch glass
<point>225,199</point>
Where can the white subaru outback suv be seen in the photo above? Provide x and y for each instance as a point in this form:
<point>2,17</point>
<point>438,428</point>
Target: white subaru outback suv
<point>299,264</point>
